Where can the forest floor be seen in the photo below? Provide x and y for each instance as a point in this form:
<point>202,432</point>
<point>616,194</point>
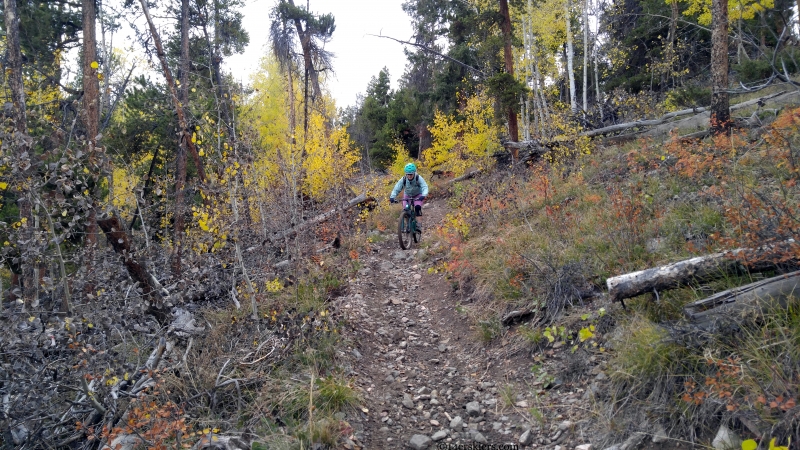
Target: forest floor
<point>428,378</point>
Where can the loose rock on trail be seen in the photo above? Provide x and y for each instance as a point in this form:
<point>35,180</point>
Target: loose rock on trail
<point>425,377</point>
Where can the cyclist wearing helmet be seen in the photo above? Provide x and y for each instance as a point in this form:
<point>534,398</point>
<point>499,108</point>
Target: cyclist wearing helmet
<point>413,186</point>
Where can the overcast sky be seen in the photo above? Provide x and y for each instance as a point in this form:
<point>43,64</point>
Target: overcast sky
<point>358,56</point>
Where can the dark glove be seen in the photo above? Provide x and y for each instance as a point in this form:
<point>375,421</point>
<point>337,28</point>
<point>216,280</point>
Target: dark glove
<point>392,200</point>
<point>422,199</point>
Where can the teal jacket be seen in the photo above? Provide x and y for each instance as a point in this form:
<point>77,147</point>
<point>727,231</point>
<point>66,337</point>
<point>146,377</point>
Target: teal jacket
<point>413,188</point>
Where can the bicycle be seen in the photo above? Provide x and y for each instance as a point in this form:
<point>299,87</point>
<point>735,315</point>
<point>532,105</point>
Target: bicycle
<point>408,231</point>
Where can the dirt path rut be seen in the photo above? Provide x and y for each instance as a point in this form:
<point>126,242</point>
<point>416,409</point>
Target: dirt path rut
<point>427,382</point>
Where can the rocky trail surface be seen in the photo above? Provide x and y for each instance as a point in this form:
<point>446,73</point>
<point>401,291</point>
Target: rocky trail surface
<point>426,378</point>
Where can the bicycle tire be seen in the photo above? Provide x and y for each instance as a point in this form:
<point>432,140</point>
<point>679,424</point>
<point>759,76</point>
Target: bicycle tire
<point>404,234</point>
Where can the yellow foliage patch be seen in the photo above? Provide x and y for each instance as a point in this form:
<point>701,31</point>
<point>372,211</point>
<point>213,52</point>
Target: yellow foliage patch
<point>460,144</point>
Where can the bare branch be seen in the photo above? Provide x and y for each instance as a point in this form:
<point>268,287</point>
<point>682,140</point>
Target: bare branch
<point>430,50</point>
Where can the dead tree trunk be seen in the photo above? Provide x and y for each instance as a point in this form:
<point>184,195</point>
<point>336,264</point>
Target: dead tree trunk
<point>743,303</point>
<point>513,127</point>
<point>525,151</point>
<point>180,156</point>
<point>682,273</point>
<point>182,124</point>
<point>720,111</point>
<point>22,148</point>
<point>666,117</point>
<point>150,285</point>
<point>466,176</point>
<point>91,123</point>
<point>318,219</point>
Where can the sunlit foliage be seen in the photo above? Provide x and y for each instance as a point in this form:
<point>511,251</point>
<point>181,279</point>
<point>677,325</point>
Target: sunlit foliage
<point>463,142</point>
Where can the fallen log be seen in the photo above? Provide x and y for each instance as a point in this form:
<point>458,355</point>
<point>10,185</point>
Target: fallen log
<point>121,244</point>
<point>526,150</point>
<point>317,219</point>
<point>466,176</point>
<point>743,303</point>
<point>701,268</point>
<point>667,117</point>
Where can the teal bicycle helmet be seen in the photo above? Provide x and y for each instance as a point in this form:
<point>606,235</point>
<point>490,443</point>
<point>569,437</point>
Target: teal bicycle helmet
<point>410,168</point>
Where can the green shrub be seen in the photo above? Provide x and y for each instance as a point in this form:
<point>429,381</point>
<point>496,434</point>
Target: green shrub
<point>753,70</point>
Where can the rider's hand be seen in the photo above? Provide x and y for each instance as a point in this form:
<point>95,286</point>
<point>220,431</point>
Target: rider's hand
<point>392,200</point>
<point>422,199</point>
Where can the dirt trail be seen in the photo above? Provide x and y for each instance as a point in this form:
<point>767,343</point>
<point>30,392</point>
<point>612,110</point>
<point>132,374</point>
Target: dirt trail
<point>427,380</point>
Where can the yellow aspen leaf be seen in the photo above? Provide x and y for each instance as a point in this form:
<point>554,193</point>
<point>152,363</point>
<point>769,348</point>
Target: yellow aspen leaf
<point>749,444</point>
<point>94,65</point>
<point>3,185</point>
<point>585,334</point>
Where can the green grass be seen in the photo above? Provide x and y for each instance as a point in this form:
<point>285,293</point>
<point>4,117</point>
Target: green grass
<point>643,352</point>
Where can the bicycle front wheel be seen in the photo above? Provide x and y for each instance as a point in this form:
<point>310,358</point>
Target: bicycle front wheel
<point>404,234</point>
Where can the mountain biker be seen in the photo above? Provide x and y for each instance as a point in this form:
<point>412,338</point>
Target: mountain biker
<point>413,186</point>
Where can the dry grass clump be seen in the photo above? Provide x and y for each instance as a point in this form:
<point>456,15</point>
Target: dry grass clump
<point>747,378</point>
<point>541,239</point>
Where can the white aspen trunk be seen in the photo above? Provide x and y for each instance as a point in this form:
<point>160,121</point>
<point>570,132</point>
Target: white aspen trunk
<point>740,43</point>
<point>597,86</point>
<point>796,21</point>
<point>531,73</point>
<point>526,132</point>
<point>540,82</point>
<point>585,56</point>
<point>526,60</point>
<point>598,91</point>
<point>528,119</point>
<point>573,103</point>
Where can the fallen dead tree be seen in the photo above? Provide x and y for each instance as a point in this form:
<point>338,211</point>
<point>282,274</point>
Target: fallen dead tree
<point>681,273</point>
<point>466,176</point>
<point>668,117</point>
<point>318,219</point>
<point>121,244</point>
<point>529,150</point>
<point>742,303</point>
<point>525,151</point>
